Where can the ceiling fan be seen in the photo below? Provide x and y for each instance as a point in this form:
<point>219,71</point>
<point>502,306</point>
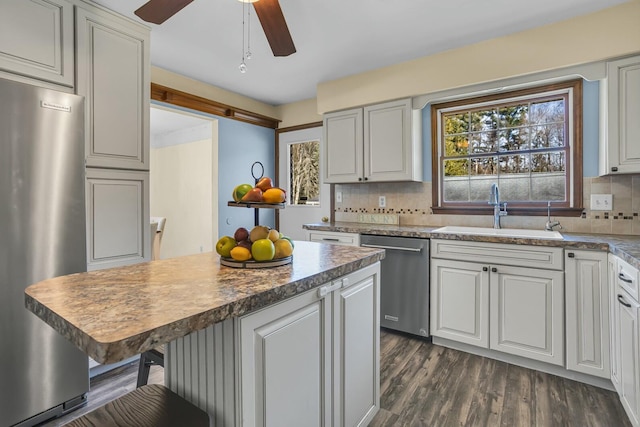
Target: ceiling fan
<point>268,11</point>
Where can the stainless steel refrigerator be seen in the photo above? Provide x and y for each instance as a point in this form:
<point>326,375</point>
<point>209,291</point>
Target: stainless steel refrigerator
<point>42,235</point>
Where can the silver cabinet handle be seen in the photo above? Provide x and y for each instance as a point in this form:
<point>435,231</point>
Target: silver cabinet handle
<point>395,248</point>
<point>624,279</point>
<point>329,239</point>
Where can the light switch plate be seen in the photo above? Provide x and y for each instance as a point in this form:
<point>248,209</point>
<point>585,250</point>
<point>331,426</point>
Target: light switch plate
<point>601,202</point>
<point>338,196</point>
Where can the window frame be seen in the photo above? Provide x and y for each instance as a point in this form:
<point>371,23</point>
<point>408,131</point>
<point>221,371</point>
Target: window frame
<point>573,206</point>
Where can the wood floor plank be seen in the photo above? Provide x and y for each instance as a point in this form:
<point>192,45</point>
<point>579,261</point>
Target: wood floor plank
<point>488,398</point>
<point>519,401</point>
<point>551,404</point>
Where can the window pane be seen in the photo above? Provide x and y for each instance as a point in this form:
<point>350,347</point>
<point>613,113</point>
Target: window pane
<point>484,142</point>
<point>512,116</point>
<point>484,166</point>
<point>483,120</point>
<point>456,189</point>
<point>514,139</point>
<point>456,167</point>
<point>547,112</point>
<point>456,145</point>
<point>548,186</point>
<point>305,173</point>
<point>480,187</point>
<point>515,164</point>
<point>456,123</point>
<point>514,187</point>
<point>547,136</point>
<point>548,162</point>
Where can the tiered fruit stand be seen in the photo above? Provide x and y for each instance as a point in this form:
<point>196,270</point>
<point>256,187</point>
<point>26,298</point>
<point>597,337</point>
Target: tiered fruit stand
<point>229,262</point>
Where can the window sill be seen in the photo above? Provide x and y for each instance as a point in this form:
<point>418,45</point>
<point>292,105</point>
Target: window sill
<point>512,210</point>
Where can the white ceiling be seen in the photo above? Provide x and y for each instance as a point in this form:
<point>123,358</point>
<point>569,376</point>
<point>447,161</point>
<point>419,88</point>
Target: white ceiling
<point>334,38</point>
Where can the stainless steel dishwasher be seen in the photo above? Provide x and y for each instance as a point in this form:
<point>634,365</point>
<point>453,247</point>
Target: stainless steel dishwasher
<point>404,282</point>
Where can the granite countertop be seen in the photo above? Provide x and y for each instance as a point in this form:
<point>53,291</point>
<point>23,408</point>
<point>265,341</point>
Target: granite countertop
<point>120,312</point>
<point>626,247</point>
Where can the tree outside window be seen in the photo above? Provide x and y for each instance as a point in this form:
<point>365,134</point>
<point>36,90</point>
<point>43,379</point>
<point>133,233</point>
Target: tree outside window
<point>304,167</point>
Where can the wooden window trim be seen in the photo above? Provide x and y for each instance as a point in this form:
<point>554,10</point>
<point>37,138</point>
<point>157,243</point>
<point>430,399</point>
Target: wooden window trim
<point>532,209</point>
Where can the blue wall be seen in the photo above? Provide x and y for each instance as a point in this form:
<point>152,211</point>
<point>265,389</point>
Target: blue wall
<point>590,132</point>
<point>239,145</point>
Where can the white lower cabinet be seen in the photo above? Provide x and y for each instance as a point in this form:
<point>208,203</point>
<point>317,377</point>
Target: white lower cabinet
<point>285,364</point>
<point>501,303</point>
<point>460,301</point>
<point>313,360</point>
<point>526,313</point>
<point>625,373</point>
<point>587,312</point>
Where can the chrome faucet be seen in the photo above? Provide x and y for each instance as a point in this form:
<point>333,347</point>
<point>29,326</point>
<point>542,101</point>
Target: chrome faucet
<point>494,200</point>
<point>549,225</point>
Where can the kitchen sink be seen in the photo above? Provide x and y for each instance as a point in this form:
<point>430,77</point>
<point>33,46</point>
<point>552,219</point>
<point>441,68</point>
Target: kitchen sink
<point>500,232</point>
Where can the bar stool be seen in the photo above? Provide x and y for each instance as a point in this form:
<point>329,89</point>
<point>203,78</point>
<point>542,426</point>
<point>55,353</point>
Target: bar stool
<point>147,359</point>
<point>148,406</point>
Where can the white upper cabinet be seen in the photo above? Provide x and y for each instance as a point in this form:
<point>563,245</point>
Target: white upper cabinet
<point>620,143</point>
<point>113,76</point>
<point>377,143</point>
<point>36,39</point>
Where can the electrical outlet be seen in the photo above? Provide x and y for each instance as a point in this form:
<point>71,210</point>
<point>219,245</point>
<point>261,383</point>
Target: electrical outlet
<point>382,202</point>
<point>601,202</point>
<point>338,196</point>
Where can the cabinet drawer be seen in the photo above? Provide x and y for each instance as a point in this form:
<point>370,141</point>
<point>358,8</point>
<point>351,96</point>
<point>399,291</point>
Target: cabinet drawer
<point>499,253</point>
<point>627,278</point>
<point>335,238</point>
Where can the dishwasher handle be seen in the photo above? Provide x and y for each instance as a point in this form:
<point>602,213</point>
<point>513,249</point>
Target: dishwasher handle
<point>397,248</point>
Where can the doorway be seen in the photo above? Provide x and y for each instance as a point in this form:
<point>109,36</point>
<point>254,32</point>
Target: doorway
<point>184,179</point>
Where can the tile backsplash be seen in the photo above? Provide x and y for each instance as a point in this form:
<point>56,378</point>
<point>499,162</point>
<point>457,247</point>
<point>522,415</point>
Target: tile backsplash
<point>411,202</point>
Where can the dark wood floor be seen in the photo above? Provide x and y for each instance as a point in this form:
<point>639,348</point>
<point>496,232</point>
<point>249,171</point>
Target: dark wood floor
<point>426,385</point>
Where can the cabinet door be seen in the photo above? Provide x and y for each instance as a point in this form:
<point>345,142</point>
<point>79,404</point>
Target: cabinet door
<point>527,310</point>
<point>113,76</point>
<point>36,39</point>
<point>357,348</point>
<point>587,312</point>
<point>117,218</point>
<point>623,126</point>
<point>343,146</point>
<point>460,301</point>
<point>285,364</point>
<point>388,143</point>
<point>629,355</point>
<point>615,321</point>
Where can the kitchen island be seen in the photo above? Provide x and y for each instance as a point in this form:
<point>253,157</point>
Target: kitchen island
<point>249,346</point>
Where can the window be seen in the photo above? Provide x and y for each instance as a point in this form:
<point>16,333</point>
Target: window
<point>304,170</point>
<point>529,142</point>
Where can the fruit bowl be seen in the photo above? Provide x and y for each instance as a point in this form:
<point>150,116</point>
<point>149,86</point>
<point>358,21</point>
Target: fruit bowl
<point>230,262</point>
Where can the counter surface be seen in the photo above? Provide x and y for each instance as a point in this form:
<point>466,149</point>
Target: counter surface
<point>626,247</point>
<point>120,312</point>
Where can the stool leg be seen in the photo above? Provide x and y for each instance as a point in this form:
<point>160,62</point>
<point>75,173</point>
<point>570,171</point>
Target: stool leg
<point>143,371</point>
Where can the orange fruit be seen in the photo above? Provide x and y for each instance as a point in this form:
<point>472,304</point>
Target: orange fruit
<point>273,195</point>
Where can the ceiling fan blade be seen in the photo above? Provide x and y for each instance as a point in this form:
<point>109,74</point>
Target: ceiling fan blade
<point>158,11</point>
<point>275,27</point>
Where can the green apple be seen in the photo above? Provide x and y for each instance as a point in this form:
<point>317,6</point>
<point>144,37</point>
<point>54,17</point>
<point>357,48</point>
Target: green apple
<point>224,246</point>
